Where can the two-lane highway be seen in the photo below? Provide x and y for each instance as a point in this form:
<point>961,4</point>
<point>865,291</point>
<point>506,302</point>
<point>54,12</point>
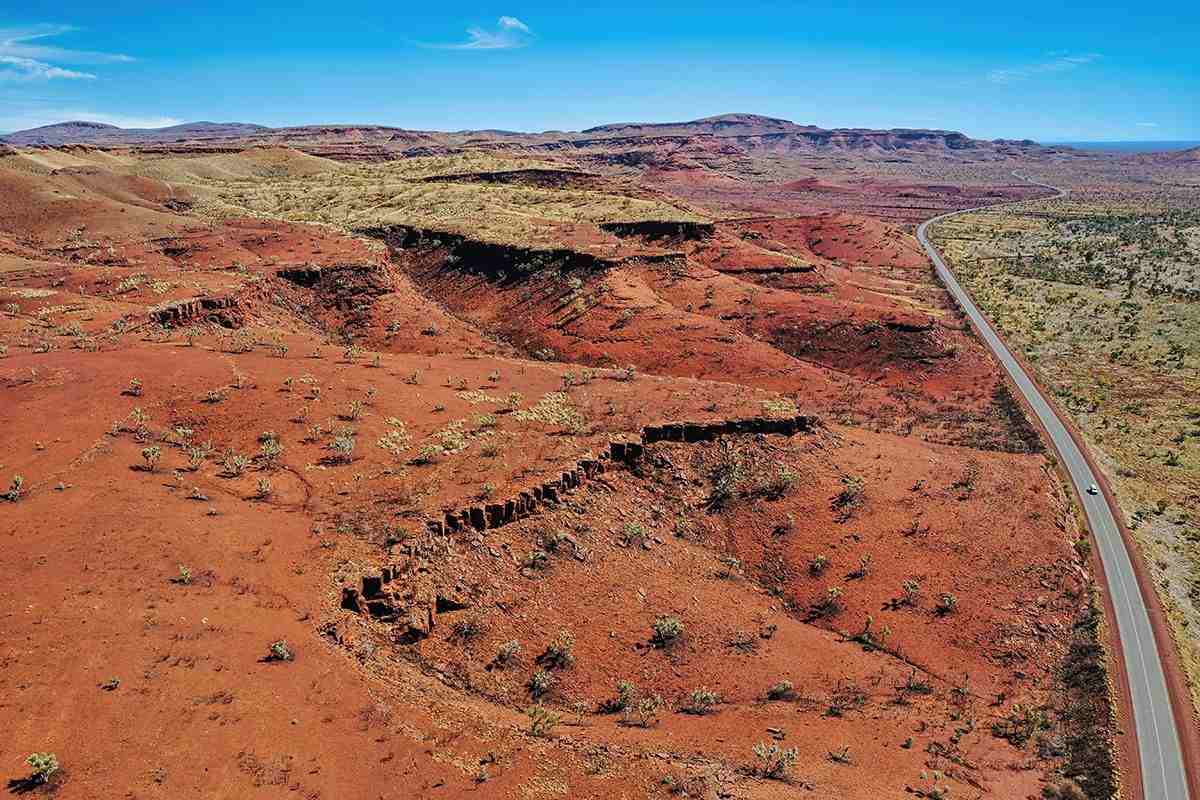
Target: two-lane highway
<point>1159,751</point>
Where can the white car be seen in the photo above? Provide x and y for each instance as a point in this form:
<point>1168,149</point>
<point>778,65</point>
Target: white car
<point>1093,489</point>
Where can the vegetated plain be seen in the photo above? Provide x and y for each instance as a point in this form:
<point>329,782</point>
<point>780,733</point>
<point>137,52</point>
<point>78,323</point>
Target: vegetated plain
<point>650,461</point>
<point>1101,291</point>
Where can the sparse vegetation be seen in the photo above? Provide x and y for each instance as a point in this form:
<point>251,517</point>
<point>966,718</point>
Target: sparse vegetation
<point>42,767</point>
<point>781,407</point>
<point>1098,291</point>
<point>841,755</point>
<point>947,604</point>
<point>702,701</point>
<point>830,605</point>
<point>429,453</point>
<point>872,639</point>
<point>343,449</point>
<point>778,484</point>
<point>559,654</point>
<point>625,697</point>
<point>542,720</point>
<point>396,441</point>
<point>234,465</point>
<point>849,498</point>
<point>537,560</point>
<point>280,651</point>
<point>540,683</point>
<point>467,630</point>
<point>507,653</point>
<point>772,761</point>
<point>665,631</point>
<point>643,712</point>
<point>1020,724</point>
<point>781,691</point>
<point>15,489</point>
<point>390,568</point>
<point>152,456</point>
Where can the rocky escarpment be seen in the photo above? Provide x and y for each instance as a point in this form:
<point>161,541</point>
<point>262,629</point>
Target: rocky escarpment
<point>539,177</point>
<point>349,288</point>
<point>654,230</point>
<point>212,309</point>
<point>405,593</point>
<point>496,261</point>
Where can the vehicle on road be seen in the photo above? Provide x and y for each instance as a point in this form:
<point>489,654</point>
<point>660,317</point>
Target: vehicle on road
<point>1093,489</point>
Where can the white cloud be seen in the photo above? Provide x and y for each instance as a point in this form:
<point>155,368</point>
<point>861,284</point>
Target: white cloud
<point>512,23</point>
<point>24,58</point>
<point>1058,63</point>
<point>1146,124</point>
<point>509,33</point>
<point>14,68</point>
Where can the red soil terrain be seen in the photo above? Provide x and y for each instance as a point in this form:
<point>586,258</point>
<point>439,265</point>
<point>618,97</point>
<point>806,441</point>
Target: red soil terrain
<point>885,587</point>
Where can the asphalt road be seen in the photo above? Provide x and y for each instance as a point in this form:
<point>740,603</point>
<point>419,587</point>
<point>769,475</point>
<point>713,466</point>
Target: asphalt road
<point>1159,751</point>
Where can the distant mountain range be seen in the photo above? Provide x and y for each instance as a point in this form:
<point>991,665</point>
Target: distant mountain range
<point>1163,146</point>
<point>81,132</point>
<point>747,130</point>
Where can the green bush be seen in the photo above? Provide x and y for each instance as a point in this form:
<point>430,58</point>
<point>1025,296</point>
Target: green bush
<point>540,683</point>
<point>559,653</point>
<point>542,720</point>
<point>666,631</point>
<point>947,604</point>
<point>15,489</point>
<point>702,701</point>
<point>279,651</point>
<point>507,652</point>
<point>42,766</point>
<point>774,761</point>
<point>626,695</point>
<point>781,691</point>
<point>152,455</point>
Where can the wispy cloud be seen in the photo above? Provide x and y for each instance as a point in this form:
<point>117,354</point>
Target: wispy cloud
<point>15,68</point>
<point>509,34</point>
<point>1146,124</point>
<point>1059,62</point>
<point>25,57</point>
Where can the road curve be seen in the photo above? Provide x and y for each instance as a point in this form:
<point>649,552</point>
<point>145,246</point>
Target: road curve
<point>1164,775</point>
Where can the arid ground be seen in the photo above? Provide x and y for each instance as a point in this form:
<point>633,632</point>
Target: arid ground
<point>649,461</point>
<point>1100,290</point>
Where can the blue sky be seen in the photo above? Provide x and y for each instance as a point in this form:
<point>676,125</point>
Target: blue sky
<point>1046,70</point>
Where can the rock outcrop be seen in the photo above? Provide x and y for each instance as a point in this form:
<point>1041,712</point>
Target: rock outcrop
<point>179,312</point>
<point>403,594</point>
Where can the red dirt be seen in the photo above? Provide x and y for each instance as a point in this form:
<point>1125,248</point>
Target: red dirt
<point>232,327</point>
